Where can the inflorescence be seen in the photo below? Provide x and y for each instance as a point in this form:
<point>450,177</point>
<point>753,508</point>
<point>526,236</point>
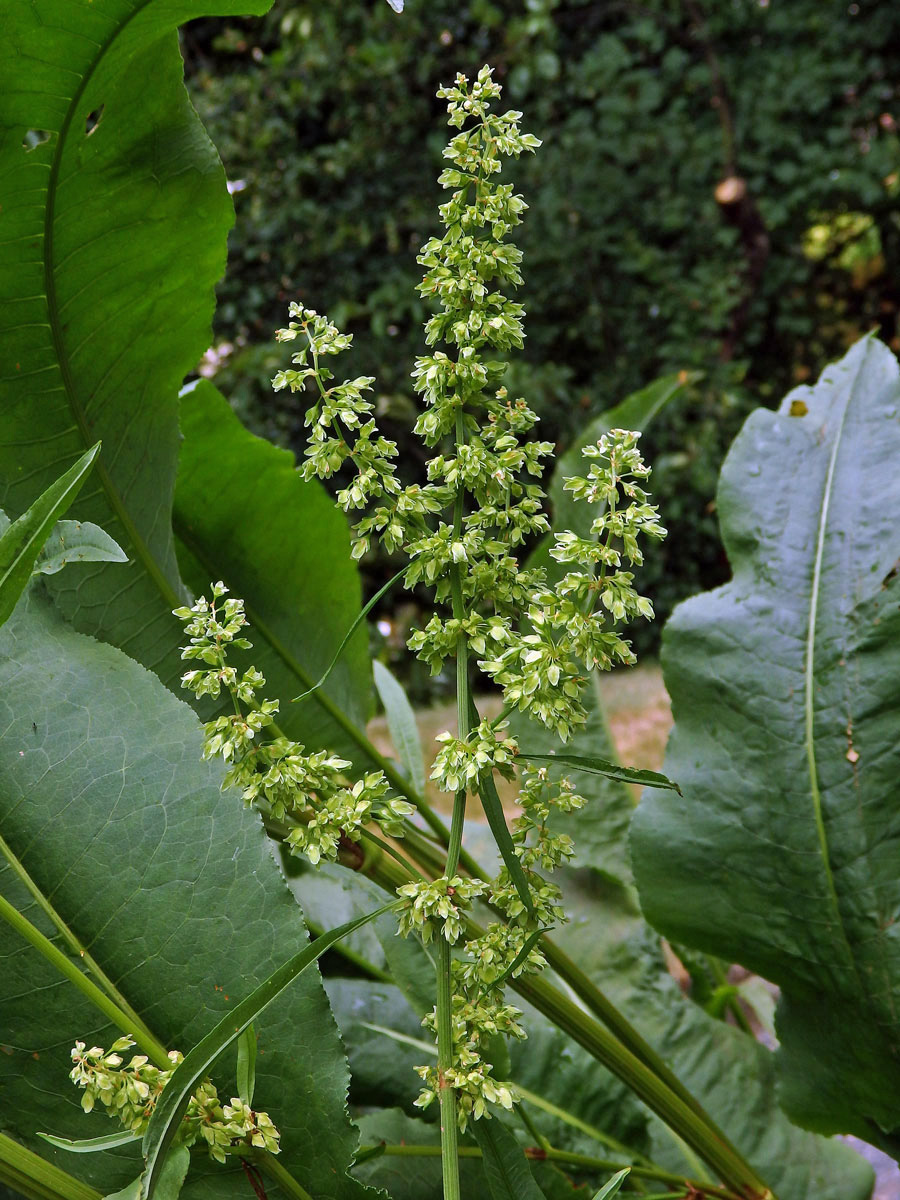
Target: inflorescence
<point>462,532</point>
<point>131,1092</point>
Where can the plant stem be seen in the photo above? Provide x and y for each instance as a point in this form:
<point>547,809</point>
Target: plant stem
<point>566,1157</point>
<point>444,1007</point>
<point>688,1120</point>
<point>449,1148</point>
<point>357,960</point>
<point>144,1040</point>
<point>75,945</point>
<point>36,1178</point>
<point>270,1166</point>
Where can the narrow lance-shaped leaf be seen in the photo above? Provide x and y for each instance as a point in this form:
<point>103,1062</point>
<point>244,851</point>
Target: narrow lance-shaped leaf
<point>21,542</point>
<point>493,810</point>
<point>109,1141</point>
<point>246,1064</point>
<point>592,764</point>
<point>783,852</point>
<point>609,1189</point>
<point>77,541</point>
<point>505,1166</point>
<point>173,1102</point>
<point>402,724</point>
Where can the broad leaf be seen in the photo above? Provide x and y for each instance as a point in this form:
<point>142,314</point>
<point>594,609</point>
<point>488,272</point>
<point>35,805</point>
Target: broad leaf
<point>729,1072</point>
<point>172,1104</point>
<point>21,540</point>
<point>114,231</point>
<point>783,852</point>
<point>169,883</point>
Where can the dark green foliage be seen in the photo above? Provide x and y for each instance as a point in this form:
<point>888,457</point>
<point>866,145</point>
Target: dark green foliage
<point>327,114</point>
<point>782,853</point>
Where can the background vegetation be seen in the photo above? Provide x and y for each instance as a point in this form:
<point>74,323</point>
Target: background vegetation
<point>326,121</point>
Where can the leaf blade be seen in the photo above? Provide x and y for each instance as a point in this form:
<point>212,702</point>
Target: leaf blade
<point>593,764</point>
<point>401,723</point>
<point>170,1107</point>
<point>505,1166</point>
<point>22,541</point>
<point>783,745</point>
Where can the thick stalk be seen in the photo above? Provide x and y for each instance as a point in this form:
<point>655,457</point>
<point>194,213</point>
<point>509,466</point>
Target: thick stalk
<point>35,1178</point>
<point>74,944</point>
<point>693,1126</point>
<point>144,1041</point>
<point>564,1157</point>
<point>444,1008</point>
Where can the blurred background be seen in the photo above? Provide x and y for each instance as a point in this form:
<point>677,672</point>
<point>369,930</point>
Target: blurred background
<point>717,192</point>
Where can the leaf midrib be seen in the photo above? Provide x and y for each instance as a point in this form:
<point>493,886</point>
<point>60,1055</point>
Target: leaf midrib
<point>809,686</point>
<point>115,500</point>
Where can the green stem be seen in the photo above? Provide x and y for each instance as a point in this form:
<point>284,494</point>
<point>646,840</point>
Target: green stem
<point>357,960</point>
<point>444,1006</point>
<point>449,1148</point>
<point>35,1178</point>
<point>269,1165</point>
<point>532,1129</point>
<point>698,1131</point>
<point>688,1120</point>
<point>74,944</point>
<point>144,1040</point>
<point>566,1157</point>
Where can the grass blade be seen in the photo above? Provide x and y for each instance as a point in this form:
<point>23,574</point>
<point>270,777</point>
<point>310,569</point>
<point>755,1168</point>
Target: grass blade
<point>173,1102</point>
<point>593,765</point>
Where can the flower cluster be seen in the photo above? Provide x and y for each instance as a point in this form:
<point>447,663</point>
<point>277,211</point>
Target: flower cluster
<point>462,532</point>
<point>131,1092</point>
<point>308,792</point>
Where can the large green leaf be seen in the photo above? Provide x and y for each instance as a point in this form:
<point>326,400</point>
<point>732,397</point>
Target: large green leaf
<point>113,231</point>
<point>113,219</point>
<point>171,886</point>
<point>729,1072</point>
<point>783,852</point>
<point>242,514</point>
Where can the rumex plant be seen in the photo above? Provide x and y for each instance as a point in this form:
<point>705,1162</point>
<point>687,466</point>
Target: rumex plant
<point>463,533</point>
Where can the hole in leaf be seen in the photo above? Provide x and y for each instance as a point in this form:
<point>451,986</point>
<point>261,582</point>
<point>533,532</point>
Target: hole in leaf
<point>92,120</point>
<point>35,137</point>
